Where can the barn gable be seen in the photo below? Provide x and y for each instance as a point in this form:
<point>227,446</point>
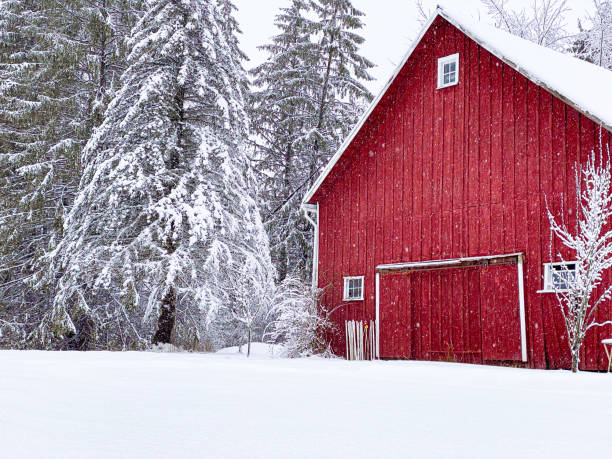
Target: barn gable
<point>583,86</point>
<point>458,174</point>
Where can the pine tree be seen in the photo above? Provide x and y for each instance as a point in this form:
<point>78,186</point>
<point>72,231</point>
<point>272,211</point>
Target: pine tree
<point>310,94</point>
<point>164,217</point>
<point>40,136</point>
<point>57,60</point>
<point>231,31</point>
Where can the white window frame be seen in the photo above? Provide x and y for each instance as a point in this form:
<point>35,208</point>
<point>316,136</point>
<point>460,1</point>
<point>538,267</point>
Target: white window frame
<point>345,294</point>
<point>441,63</point>
<point>548,276</point>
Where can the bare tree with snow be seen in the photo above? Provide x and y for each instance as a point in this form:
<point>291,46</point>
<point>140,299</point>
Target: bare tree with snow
<point>250,292</point>
<point>543,23</point>
<point>594,43</point>
<point>590,240</point>
<point>423,13</point>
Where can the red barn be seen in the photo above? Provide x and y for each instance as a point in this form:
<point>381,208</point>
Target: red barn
<point>431,218</point>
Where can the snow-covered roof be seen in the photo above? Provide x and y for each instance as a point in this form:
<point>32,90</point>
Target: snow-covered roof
<point>584,86</point>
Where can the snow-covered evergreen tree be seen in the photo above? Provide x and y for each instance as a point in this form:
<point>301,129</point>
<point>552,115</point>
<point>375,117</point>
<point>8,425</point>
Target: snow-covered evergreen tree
<point>231,30</point>
<point>164,218</point>
<point>57,58</point>
<point>310,92</point>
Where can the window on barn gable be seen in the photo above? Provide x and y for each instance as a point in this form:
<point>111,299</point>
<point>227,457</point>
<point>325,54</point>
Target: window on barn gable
<point>448,71</point>
<point>353,288</point>
<point>558,276</point>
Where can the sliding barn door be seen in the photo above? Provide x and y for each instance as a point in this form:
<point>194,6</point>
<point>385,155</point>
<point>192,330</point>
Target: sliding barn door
<point>464,314</point>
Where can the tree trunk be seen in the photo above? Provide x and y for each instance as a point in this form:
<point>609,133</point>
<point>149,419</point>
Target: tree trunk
<point>574,362</point>
<point>165,323</point>
<point>249,343</point>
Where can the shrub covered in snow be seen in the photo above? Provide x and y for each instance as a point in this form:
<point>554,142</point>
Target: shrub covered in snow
<point>299,323</point>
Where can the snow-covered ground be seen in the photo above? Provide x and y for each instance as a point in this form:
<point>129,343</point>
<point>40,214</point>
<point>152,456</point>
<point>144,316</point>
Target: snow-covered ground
<point>163,405</point>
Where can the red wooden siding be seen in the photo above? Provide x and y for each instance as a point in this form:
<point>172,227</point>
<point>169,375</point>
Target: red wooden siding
<point>459,172</point>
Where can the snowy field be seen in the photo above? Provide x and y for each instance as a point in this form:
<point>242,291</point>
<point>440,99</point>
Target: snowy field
<point>154,405</point>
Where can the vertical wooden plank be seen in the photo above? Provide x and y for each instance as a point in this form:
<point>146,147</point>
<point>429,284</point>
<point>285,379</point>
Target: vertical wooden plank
<point>473,230</point>
<point>407,144</point>
<point>520,134</point>
<point>508,75</point>
<point>426,313</point>
<point>416,305</point>
<point>533,256</point>
<point>446,313</point>
<point>437,114</point>
<point>473,303</point>
<point>448,117</point>
<point>559,159</point>
<point>484,94</point>
<point>418,170</point>
<point>384,324</point>
<point>484,230</point>
<point>473,137</point>
<point>380,199</point>
<point>553,353</point>
<point>336,290</point>
<point>436,235</point>
<point>370,210</point>
<point>572,157</point>
<point>436,313</point>
<point>447,235</point>
<point>348,235</point>
<point>398,177</point>
<point>387,149</point>
<point>520,158</point>
<point>360,161</point>
<point>406,316</point>
<point>458,198</point>
<point>496,116</point>
<point>357,212</point>
<point>496,131</point>
<point>428,131</point>
<point>456,305</point>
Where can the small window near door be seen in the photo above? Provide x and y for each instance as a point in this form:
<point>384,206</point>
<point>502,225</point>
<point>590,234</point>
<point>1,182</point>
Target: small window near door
<point>559,276</point>
<point>448,71</point>
<point>353,288</point>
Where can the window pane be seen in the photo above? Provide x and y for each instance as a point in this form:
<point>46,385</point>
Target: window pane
<point>354,288</point>
<point>562,276</point>
<point>446,78</point>
<point>452,66</point>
